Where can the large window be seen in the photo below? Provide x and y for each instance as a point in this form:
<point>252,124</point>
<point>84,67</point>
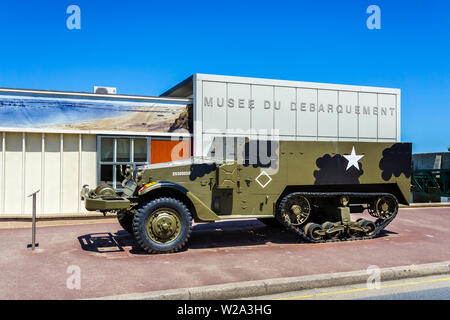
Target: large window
<point>116,151</point>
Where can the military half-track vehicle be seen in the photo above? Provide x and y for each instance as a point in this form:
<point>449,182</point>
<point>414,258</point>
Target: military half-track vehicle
<point>311,188</point>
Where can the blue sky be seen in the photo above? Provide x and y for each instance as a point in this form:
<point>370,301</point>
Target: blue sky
<point>145,47</point>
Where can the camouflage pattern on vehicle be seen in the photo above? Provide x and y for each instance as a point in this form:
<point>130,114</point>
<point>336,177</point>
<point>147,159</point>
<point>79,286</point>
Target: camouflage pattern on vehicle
<point>310,187</point>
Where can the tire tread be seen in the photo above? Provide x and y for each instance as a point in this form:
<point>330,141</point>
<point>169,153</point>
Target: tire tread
<point>141,214</point>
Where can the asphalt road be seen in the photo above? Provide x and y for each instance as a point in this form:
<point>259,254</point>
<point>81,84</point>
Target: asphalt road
<point>425,288</point>
<point>107,261</point>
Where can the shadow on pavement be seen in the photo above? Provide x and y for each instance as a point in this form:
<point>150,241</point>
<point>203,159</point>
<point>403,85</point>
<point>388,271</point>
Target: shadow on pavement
<point>204,236</point>
<point>107,242</point>
<point>238,233</point>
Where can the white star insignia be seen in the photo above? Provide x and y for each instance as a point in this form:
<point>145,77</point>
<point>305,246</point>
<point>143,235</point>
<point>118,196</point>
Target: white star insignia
<point>353,159</point>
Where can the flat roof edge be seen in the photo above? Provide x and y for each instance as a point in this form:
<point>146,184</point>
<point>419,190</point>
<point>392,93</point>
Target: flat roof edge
<point>178,86</point>
<point>293,83</point>
<point>92,95</point>
<point>97,132</point>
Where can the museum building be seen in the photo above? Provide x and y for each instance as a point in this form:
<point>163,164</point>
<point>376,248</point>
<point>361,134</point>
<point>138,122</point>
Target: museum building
<point>56,142</point>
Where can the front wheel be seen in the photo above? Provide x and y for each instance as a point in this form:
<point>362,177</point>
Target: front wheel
<point>125,220</point>
<point>163,225</point>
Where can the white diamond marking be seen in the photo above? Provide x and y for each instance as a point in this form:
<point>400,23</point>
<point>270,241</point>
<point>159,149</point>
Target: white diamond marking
<point>263,173</point>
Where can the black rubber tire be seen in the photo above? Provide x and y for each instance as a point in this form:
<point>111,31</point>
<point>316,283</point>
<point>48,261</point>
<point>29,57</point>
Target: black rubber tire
<point>125,221</point>
<point>367,223</point>
<point>271,222</point>
<point>310,228</point>
<point>143,213</point>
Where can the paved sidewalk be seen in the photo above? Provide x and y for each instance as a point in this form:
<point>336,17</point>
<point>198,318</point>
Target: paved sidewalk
<point>218,253</point>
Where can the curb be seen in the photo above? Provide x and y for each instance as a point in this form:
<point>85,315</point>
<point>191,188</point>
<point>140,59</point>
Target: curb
<point>427,205</point>
<point>280,285</point>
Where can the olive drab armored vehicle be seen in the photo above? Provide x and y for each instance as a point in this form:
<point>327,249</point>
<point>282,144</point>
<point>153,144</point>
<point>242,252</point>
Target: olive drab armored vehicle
<point>311,188</point>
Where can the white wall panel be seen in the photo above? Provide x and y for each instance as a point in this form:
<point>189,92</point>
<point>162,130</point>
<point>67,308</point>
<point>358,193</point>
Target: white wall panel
<point>70,174</point>
<point>327,115</point>
<point>13,174</point>
<point>348,120</point>
<point>214,106</point>
<point>386,116</point>
<point>52,170</point>
<point>368,126</point>
<point>32,171</point>
<point>307,112</point>
<point>237,107</point>
<point>284,113</point>
<point>208,147</point>
<point>262,114</point>
<point>88,163</point>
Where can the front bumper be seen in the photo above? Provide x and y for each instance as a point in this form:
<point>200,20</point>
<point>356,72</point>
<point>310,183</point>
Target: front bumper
<point>106,204</point>
<point>93,202</point>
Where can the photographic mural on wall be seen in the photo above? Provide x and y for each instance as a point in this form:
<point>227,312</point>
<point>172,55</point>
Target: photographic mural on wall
<point>93,114</point>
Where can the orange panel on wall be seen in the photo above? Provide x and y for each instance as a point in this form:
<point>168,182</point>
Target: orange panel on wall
<point>169,150</point>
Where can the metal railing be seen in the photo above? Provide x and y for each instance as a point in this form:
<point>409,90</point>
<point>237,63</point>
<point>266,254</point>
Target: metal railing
<point>431,182</point>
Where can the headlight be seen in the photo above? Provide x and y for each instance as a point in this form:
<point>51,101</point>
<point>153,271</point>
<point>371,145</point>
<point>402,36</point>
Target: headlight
<point>84,191</point>
<point>139,175</point>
